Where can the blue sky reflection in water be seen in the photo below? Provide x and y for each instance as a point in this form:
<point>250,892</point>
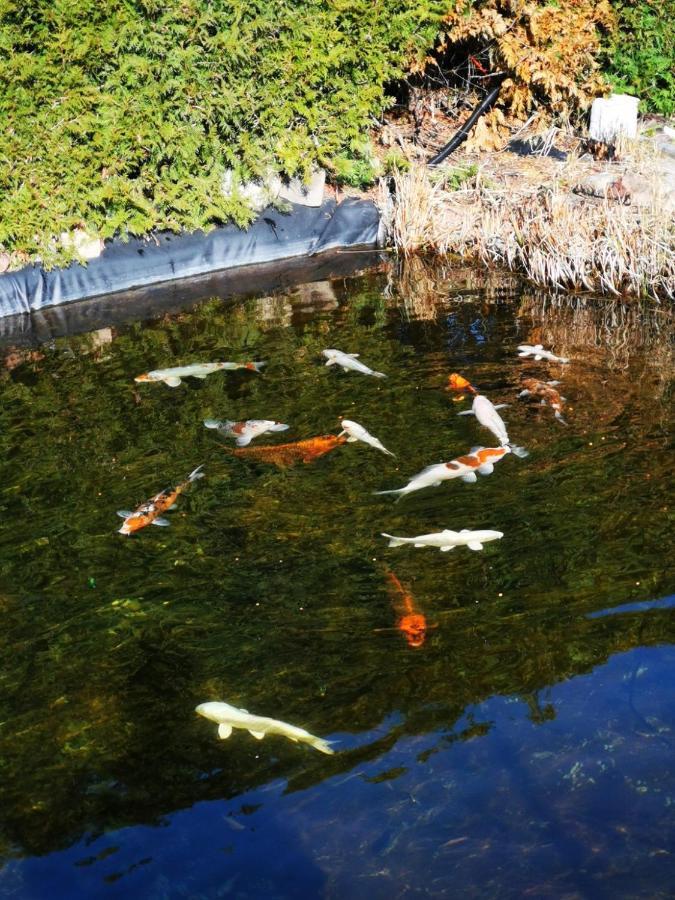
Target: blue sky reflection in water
<point>525,749</point>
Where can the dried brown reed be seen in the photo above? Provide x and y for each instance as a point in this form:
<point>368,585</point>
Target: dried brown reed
<point>555,238</point>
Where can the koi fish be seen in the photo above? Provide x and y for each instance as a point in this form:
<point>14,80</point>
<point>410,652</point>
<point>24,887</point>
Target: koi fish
<point>244,432</point>
<point>349,361</point>
<point>446,540</point>
<point>538,353</point>
<point>411,622</point>
<point>173,376</point>
<point>229,717</point>
<point>149,513</point>
<point>479,459</point>
<point>356,432</point>
<point>284,455</point>
<point>486,413</point>
<point>459,384</point>
<point>546,393</point>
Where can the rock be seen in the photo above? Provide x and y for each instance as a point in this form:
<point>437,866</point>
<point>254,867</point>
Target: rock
<point>606,185</point>
<point>616,115</point>
<point>86,246</point>
<point>271,189</point>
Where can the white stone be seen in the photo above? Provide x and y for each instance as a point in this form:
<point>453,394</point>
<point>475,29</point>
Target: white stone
<point>86,246</point>
<point>263,192</point>
<point>616,115</point>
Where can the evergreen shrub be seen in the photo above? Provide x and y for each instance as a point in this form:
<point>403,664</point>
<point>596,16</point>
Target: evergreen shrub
<point>121,117</point>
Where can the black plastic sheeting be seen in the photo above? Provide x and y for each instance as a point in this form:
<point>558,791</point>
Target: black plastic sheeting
<point>122,267</point>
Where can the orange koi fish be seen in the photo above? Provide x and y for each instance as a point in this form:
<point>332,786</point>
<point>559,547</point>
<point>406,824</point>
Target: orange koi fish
<point>149,513</point>
<point>545,392</point>
<point>411,622</point>
<point>284,455</point>
<point>459,384</point>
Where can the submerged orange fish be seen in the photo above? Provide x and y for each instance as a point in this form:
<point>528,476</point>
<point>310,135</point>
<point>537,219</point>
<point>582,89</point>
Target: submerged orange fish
<point>545,392</point>
<point>284,455</point>
<point>148,513</point>
<point>411,622</point>
<point>459,384</point>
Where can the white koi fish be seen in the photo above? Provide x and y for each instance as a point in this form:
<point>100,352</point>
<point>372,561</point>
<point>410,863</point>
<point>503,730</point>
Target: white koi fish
<point>173,376</point>
<point>244,432</point>
<point>446,540</point>
<point>356,432</point>
<point>538,353</point>
<point>486,413</point>
<point>229,717</point>
<point>349,361</point>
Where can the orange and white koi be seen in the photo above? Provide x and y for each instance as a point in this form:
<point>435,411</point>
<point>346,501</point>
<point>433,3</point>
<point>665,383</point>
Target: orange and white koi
<point>545,392</point>
<point>486,413</point>
<point>174,375</point>
<point>244,432</point>
<point>149,513</point>
<point>480,459</point>
<point>411,622</point>
<point>460,385</point>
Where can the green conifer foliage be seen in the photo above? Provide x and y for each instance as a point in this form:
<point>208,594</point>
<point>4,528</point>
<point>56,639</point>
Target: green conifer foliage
<point>121,117</point>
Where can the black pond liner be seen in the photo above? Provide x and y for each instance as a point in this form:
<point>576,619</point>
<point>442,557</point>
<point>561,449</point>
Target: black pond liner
<point>145,277</point>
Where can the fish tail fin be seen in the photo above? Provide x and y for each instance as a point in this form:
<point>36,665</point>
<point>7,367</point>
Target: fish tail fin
<point>321,745</point>
<point>398,491</point>
<point>388,452</point>
<point>212,423</point>
<point>560,418</point>
<point>520,452</point>
<point>197,473</point>
<point>256,366</point>
<point>393,541</point>
<point>379,375</point>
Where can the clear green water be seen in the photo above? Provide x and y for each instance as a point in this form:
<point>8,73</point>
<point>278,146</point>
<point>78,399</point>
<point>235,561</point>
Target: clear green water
<point>526,749</point>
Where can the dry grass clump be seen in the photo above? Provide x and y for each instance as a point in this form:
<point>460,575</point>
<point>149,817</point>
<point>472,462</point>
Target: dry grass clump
<point>556,239</point>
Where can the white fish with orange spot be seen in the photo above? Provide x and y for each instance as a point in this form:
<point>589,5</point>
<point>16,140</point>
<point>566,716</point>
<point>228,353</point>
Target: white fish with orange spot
<point>356,432</point>
<point>245,432</point>
<point>229,717</point>
<point>537,351</point>
<point>174,375</point>
<point>486,413</point>
<point>447,540</point>
<point>479,459</point>
<point>349,362</point>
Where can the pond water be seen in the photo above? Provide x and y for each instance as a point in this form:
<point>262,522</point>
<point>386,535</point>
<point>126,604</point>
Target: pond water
<point>522,746</point>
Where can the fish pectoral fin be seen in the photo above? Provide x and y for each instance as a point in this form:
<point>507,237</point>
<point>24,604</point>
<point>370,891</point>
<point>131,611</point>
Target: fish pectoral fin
<point>243,441</point>
<point>224,731</point>
<point>331,362</point>
<point>418,545</point>
<point>201,376</point>
<point>445,549</point>
<point>172,381</point>
<point>466,412</point>
<point>161,522</point>
<point>470,477</point>
<point>258,735</point>
<point>351,439</point>
<point>353,355</point>
<point>474,545</point>
<point>486,469</point>
<point>501,405</point>
<point>553,383</point>
<point>125,513</point>
<point>464,530</point>
<point>345,368</point>
<point>524,393</point>
<point>537,357</point>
